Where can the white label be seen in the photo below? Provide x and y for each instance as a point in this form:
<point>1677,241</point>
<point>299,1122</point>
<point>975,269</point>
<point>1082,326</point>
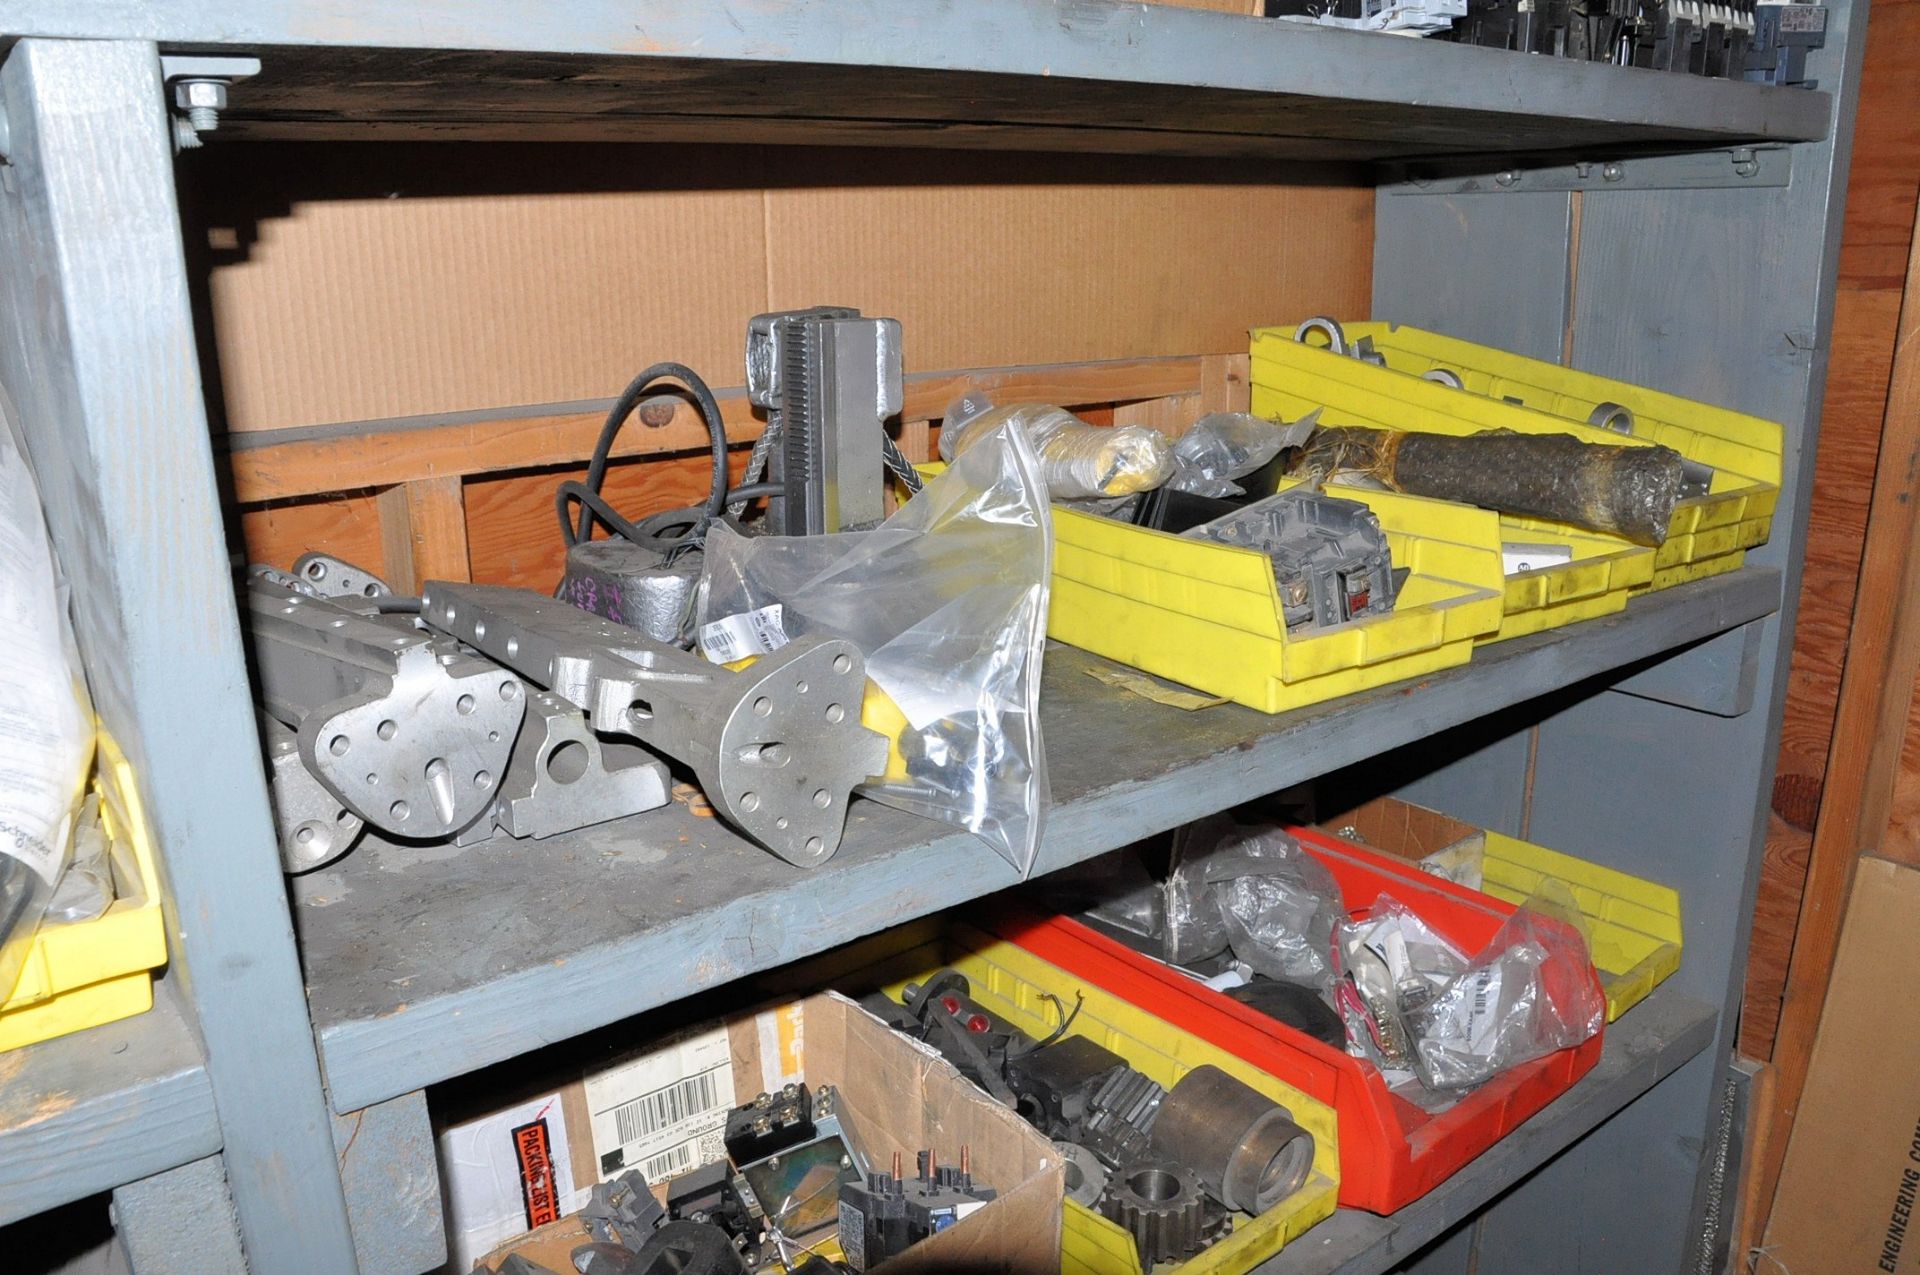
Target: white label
<point>494,1184</point>
<point>1516,557</point>
<point>737,636</point>
<point>664,1112</point>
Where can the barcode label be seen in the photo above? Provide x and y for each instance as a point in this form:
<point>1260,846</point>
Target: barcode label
<point>662,1106</point>
<point>650,1113</point>
<point>738,636</point>
<point>671,1163</point>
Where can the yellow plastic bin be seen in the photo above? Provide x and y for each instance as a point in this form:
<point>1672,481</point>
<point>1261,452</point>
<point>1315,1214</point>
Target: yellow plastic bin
<point>1208,615</point>
<point>1030,992</point>
<point>1708,535</point>
<point>1633,925</point>
<point>1602,573</point>
<point>91,972</point>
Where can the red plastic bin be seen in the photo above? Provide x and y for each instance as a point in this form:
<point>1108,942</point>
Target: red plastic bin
<point>1391,1152</point>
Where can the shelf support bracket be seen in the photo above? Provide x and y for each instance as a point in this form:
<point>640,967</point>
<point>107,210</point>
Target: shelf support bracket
<point>1752,167</point>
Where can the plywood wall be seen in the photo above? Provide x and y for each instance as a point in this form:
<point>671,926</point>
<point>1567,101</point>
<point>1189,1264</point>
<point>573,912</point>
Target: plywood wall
<point>1881,198</point>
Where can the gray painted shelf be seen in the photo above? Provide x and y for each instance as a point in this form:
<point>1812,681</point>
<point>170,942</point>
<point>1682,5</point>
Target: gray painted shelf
<point>1646,1046</point>
<point>1071,75</point>
<point>103,1107</point>
<point>427,963</point>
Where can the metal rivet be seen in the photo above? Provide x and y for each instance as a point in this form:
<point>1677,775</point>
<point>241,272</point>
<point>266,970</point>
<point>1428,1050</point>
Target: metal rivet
<point>1506,177</point>
<point>1613,172</point>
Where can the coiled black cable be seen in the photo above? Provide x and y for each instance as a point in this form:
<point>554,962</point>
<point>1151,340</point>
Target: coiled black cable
<point>592,506</point>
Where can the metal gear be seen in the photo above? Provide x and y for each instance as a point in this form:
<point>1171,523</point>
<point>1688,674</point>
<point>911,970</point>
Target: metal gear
<point>1160,1204</point>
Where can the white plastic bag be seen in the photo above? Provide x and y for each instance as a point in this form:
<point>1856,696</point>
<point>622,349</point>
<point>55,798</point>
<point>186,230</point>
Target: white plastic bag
<point>947,599</point>
<point>1530,992</point>
<point>1078,461</point>
<point>46,725</point>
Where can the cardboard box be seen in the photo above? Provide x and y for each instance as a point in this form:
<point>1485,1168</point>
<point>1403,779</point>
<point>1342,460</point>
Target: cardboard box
<point>358,283</point>
<point>1849,1195</point>
<point>894,1094</point>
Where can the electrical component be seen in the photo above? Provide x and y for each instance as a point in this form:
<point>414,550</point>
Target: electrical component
<point>709,1194</point>
<point>793,1157</point>
<point>829,380</point>
<point>1243,1147</point>
<point>1330,557</point>
<point>622,1211</point>
<point>1782,35</point>
<point>886,1214</point>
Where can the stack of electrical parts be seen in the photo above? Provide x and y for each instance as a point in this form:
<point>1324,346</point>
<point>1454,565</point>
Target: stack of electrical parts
<point>796,1181</point>
<point>1764,42</point>
<point>1434,1018</point>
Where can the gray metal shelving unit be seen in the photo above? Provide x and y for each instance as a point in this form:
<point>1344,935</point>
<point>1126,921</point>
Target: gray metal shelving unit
<point>1644,740</point>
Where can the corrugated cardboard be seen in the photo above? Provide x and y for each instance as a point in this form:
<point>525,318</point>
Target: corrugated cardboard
<point>357,283</point>
<point>1399,828</point>
<point>1849,1195</point>
<point>896,1095</point>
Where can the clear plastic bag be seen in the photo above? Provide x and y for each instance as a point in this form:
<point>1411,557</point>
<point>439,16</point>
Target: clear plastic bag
<point>948,601</point>
<point>46,724</point>
<point>1078,461</point>
<point>86,887</point>
<point>1254,890</point>
<point>1530,992</point>
<point>1223,446</point>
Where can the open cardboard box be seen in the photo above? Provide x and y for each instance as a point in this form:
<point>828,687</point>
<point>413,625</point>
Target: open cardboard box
<point>895,1095</point>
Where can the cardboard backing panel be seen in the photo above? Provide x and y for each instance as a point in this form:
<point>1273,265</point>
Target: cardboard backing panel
<point>1850,1187</point>
<point>349,283</point>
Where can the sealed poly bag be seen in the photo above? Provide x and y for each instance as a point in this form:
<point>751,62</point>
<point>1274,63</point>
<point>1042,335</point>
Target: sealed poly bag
<point>46,725</point>
<point>1530,992</point>
<point>1078,461</point>
<point>1254,890</point>
<point>1223,447</point>
<point>947,599</point>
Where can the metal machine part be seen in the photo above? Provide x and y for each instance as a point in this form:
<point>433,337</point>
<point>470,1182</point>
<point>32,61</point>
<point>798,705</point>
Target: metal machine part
<point>1330,557</point>
<point>829,379</point>
<point>1243,1147</point>
<point>333,577</point>
<point>633,584</point>
<point>410,730</point>
<point>1160,1205</point>
<point>1086,1177</point>
<point>1055,1083</point>
<point>563,776</point>
<point>777,746</point>
<point>688,1248</point>
<point>314,827</point>
<point>1120,1117</point>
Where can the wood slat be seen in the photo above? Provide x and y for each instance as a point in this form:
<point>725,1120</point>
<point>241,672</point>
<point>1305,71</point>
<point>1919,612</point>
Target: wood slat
<point>423,532</point>
<point>281,464</point>
<point>1870,732</point>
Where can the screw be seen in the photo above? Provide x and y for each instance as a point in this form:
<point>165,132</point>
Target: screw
<point>1583,170</point>
<point>1613,172</point>
<point>202,100</point>
<point>1506,177</point>
<point>1745,162</point>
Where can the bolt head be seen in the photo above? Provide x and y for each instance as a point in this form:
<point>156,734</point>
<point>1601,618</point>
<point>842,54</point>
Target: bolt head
<point>188,94</point>
<point>1613,172</point>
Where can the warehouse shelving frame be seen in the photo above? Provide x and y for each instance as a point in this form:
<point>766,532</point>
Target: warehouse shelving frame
<point>1656,227</point>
